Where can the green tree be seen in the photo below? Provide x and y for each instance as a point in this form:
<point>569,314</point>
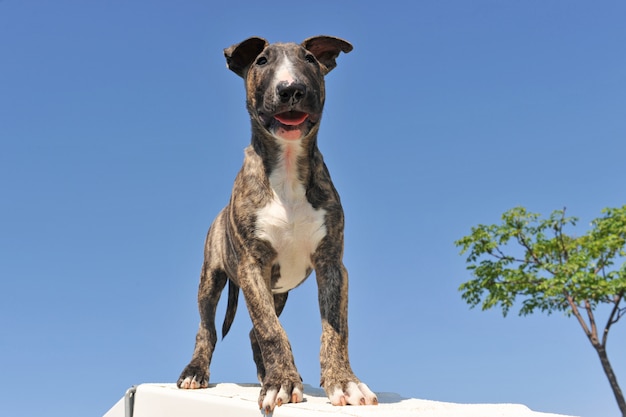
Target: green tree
<point>532,260</point>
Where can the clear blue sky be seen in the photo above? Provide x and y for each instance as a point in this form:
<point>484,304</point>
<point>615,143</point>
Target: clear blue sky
<point>121,131</point>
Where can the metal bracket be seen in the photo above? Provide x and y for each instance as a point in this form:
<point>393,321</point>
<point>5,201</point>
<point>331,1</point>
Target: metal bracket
<point>129,401</point>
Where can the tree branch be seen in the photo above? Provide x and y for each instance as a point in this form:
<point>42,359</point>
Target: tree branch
<point>558,232</point>
<point>501,256</point>
<point>616,314</point>
<point>577,314</point>
<point>522,241</point>
<point>592,321</point>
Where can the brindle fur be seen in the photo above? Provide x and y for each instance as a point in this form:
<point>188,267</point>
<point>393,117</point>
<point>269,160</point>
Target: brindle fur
<point>234,254</point>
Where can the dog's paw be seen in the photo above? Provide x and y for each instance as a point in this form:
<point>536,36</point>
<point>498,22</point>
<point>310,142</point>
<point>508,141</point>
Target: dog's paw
<point>350,393</point>
<point>193,377</point>
<point>272,395</point>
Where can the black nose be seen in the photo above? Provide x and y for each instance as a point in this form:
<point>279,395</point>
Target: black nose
<point>293,92</point>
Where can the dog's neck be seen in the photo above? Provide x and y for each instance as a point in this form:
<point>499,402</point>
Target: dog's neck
<point>288,164</point>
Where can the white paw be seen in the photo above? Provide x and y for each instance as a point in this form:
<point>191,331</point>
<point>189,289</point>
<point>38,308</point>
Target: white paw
<point>191,383</point>
<point>355,394</point>
<point>275,398</point>
<point>370,397</point>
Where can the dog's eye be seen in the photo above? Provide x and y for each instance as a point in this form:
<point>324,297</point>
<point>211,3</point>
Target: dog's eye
<point>261,60</point>
<point>310,58</point>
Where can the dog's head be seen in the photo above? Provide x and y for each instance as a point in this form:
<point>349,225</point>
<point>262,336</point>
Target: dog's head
<point>285,82</point>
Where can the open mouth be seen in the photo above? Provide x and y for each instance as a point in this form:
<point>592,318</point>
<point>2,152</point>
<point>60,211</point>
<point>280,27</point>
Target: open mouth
<point>291,118</point>
<point>290,125</point>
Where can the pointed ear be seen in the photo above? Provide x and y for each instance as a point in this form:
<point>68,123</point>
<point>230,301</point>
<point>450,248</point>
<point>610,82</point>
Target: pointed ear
<point>241,55</point>
<point>326,49</point>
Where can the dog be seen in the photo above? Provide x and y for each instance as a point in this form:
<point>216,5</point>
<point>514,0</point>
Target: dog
<point>283,221</point>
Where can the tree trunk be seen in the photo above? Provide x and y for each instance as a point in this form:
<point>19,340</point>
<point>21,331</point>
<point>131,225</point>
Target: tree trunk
<point>608,370</point>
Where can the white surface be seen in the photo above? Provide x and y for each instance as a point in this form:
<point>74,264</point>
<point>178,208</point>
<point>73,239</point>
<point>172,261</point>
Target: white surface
<point>240,400</point>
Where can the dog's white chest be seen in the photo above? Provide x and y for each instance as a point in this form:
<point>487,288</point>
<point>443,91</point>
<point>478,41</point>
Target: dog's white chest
<point>292,226</point>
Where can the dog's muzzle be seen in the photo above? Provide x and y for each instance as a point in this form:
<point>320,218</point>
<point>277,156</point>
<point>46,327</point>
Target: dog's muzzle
<point>291,117</point>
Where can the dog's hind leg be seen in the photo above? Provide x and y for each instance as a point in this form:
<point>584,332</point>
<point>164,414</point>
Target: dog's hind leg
<point>196,374</point>
<point>279,304</point>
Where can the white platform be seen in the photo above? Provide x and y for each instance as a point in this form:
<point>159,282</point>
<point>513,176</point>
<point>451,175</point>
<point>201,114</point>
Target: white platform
<point>240,400</point>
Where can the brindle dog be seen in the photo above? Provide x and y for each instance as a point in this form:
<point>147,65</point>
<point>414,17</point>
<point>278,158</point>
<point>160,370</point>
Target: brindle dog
<point>284,219</point>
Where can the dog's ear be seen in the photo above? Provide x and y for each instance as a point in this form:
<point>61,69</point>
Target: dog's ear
<point>241,55</point>
<point>326,49</point>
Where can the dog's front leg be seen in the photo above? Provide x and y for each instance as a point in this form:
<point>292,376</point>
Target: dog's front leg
<point>282,382</point>
<point>337,378</point>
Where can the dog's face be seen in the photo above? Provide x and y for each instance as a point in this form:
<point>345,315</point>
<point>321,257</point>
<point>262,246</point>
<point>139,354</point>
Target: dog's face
<point>285,82</point>
<point>285,91</point>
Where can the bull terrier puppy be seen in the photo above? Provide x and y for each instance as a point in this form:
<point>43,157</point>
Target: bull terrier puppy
<point>283,221</point>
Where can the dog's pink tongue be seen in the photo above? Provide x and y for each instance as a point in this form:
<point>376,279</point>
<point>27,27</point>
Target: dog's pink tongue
<point>291,118</point>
